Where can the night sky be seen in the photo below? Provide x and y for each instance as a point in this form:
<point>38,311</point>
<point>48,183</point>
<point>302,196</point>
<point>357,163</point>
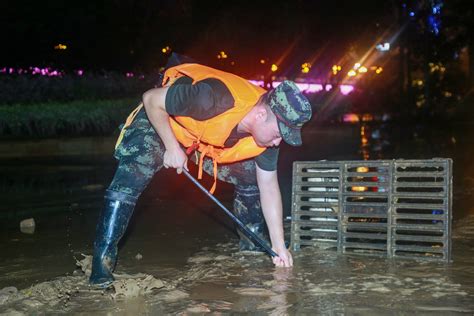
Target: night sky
<point>130,34</point>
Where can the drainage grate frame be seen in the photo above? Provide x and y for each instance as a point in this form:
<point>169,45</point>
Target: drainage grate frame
<point>389,208</point>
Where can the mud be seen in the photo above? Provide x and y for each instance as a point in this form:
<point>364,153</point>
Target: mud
<point>180,256</point>
<point>220,279</point>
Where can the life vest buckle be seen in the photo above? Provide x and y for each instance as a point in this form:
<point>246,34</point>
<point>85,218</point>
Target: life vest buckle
<point>192,148</point>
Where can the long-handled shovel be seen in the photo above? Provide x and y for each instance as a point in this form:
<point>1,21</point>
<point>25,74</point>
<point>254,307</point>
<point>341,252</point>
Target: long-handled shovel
<point>247,231</point>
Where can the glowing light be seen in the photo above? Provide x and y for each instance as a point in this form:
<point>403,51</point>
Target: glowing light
<point>378,70</point>
<point>302,86</point>
<point>350,118</point>
<point>383,47</point>
<point>305,68</point>
<point>351,73</point>
<point>166,49</point>
<point>436,67</point>
<point>60,47</point>
<point>346,89</point>
<point>222,55</point>
<point>274,67</point>
<point>262,61</point>
<point>307,88</point>
<point>367,117</point>
<point>362,69</point>
<point>362,169</point>
<point>356,66</point>
<point>258,83</point>
<point>275,84</point>
<point>315,87</point>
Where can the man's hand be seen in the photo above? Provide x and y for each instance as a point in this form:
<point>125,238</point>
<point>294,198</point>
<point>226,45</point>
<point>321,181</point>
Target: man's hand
<point>175,158</point>
<point>284,258</point>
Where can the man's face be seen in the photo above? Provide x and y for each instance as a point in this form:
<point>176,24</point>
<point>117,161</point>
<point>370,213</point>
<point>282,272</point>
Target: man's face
<point>267,133</point>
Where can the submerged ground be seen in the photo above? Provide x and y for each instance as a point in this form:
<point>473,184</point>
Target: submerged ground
<point>180,256</point>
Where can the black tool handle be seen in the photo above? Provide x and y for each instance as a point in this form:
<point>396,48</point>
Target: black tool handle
<point>247,231</point>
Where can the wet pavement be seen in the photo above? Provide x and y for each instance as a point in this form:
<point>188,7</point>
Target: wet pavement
<point>180,256</point>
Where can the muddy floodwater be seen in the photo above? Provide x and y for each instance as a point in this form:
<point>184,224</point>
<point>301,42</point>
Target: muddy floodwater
<point>180,254</point>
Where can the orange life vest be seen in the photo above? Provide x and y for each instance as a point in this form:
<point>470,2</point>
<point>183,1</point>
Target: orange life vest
<point>208,137</point>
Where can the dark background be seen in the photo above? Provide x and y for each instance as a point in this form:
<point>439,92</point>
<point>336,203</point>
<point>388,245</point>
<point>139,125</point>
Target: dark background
<point>130,34</point>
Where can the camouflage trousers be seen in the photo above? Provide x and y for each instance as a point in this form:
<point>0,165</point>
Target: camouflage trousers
<point>140,156</point>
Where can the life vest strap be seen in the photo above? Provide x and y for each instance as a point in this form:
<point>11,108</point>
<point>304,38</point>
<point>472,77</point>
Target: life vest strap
<point>128,122</point>
<point>208,151</point>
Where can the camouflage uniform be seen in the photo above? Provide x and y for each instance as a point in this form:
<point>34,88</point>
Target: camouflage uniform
<point>140,156</point>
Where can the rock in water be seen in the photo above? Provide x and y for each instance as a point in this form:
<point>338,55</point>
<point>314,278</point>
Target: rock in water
<point>27,226</point>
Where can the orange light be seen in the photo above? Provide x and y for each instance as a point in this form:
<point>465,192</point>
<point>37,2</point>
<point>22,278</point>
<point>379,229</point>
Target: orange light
<point>305,68</point>
<point>222,55</point>
<point>60,47</point>
<point>262,61</point>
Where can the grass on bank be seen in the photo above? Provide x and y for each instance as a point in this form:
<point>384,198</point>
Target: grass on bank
<point>56,119</point>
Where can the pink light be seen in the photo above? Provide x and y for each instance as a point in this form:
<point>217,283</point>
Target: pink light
<point>350,118</point>
<point>314,87</point>
<point>80,72</point>
<point>302,86</point>
<point>328,87</point>
<point>346,88</point>
<point>258,83</point>
<point>275,84</point>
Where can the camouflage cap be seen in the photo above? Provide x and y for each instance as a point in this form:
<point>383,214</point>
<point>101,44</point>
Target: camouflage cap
<point>292,110</point>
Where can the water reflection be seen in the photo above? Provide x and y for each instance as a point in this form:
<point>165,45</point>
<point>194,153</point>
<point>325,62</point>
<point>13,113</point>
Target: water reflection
<point>282,285</point>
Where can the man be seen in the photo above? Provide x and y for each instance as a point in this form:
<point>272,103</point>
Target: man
<point>233,129</point>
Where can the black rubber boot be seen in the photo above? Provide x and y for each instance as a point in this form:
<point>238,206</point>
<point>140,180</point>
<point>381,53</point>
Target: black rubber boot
<point>111,226</point>
<point>248,209</point>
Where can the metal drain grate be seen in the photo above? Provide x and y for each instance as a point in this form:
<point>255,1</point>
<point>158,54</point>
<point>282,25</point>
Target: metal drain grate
<point>396,208</point>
